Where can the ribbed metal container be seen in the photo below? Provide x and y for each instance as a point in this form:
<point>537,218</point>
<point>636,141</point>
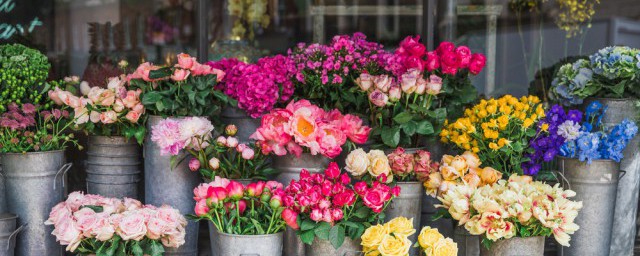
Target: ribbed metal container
<point>468,244</point>
<point>236,245</point>
<point>113,167</point>
<point>245,123</point>
<point>8,233</point>
<point>623,235</point>
<point>324,248</point>
<point>408,205</point>
<point>3,197</point>
<point>163,185</point>
<point>595,185</point>
<point>518,246</point>
<point>34,184</point>
<point>289,167</point>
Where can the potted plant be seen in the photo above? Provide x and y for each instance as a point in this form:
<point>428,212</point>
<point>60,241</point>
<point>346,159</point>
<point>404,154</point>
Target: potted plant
<point>330,214</point>
<point>184,90</point>
<point>609,76</point>
<point>591,154</point>
<point>96,225</point>
<point>514,216</point>
<point>242,219</point>
<point>113,117</point>
<point>33,137</point>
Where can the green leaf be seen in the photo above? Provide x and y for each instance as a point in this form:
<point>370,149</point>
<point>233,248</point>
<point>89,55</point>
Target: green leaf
<point>136,249</point>
<point>336,236</point>
<point>258,227</point>
<point>391,136</point>
<point>307,236</point>
<point>307,225</point>
<point>160,73</point>
<point>403,117</point>
<point>322,230</point>
<point>362,212</point>
<point>156,248</point>
<point>151,97</point>
<point>425,128</point>
<point>410,128</point>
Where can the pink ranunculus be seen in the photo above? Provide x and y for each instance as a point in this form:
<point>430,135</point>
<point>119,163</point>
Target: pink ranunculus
<point>365,81</point>
<point>194,164</point>
<point>291,218</point>
<point>185,61</point>
<point>132,227</point>
<point>180,75</point>
<point>383,82</point>
<point>108,117</point>
<point>445,47</point>
<point>433,61</point>
<point>378,98</point>
<point>449,60</point>
<point>157,227</point>
<point>477,63</point>
<point>434,85</point>
<point>395,93</point>
<point>248,154</point>
<point>464,54</point>
<point>201,208</point>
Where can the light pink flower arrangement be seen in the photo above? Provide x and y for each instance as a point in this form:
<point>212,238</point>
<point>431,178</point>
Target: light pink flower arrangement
<point>302,124</point>
<point>86,222</point>
<point>174,135</point>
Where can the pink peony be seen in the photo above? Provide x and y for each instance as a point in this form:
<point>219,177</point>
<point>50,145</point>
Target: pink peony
<point>166,134</point>
<point>356,132</point>
<point>201,208</point>
<point>291,218</point>
<point>248,154</point>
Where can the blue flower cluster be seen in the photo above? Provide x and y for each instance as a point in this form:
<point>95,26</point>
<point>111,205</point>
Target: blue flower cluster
<point>616,62</point>
<point>570,85</point>
<point>547,144</point>
<point>593,142</point>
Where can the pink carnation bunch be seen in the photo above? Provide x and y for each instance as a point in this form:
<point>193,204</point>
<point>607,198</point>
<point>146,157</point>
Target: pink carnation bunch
<point>174,135</point>
<point>83,222</point>
<point>302,124</point>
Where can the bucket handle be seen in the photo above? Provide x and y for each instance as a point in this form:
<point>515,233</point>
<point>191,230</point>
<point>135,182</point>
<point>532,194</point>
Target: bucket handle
<point>622,174</point>
<point>249,254</point>
<point>15,233</point>
<point>64,169</point>
<point>561,173</point>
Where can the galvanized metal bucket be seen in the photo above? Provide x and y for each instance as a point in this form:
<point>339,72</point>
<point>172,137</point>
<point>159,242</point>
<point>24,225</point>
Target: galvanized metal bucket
<point>468,244</point>
<point>8,233</point>
<point>113,167</point>
<point>246,124</point>
<point>408,205</point>
<point>289,168</point>
<point>623,235</point>
<point>429,211</point>
<point>528,246</point>
<point>245,245</point>
<point>3,197</point>
<point>323,248</point>
<point>35,184</point>
<point>163,185</point>
<point>595,185</point>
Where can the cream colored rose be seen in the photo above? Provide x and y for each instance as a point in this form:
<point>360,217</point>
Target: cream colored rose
<point>449,172</point>
<point>489,175</point>
<point>474,226</point>
<point>372,237</point>
<point>432,184</point>
<point>472,159</point>
<point>357,162</point>
<point>379,164</point>
<point>445,247</point>
<point>446,159</point>
<point>401,226</point>
<point>394,246</point>
<point>428,237</point>
<point>446,185</point>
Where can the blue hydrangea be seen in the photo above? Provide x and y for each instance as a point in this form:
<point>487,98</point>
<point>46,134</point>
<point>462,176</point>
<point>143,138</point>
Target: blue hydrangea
<point>570,83</point>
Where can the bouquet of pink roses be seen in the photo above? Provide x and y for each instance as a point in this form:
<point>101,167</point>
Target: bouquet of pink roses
<point>254,209</point>
<point>114,111</point>
<point>92,224</point>
<point>302,124</point>
<point>329,207</point>
<point>398,165</point>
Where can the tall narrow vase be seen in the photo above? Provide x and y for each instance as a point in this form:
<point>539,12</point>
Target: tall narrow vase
<point>3,197</point>
<point>164,185</point>
<point>34,185</point>
<point>623,235</point>
<point>289,167</point>
<point>595,185</point>
<point>468,244</point>
<point>113,167</point>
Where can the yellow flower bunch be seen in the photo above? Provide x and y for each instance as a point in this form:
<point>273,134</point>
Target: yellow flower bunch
<point>390,239</point>
<point>457,170</point>
<point>573,13</point>
<point>433,243</point>
<point>248,12</point>
<point>498,130</point>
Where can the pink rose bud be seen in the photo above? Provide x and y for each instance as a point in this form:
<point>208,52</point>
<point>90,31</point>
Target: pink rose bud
<point>214,163</point>
<point>383,82</point>
<point>221,141</point>
<point>409,80</point>
<point>194,164</point>
<point>232,142</point>
<point>231,130</point>
<point>248,154</point>
<point>395,191</point>
<point>291,218</point>
<point>421,86</point>
<point>275,202</point>
<point>365,81</point>
<point>201,208</point>
<point>236,190</point>
<point>434,85</point>
<point>180,75</point>
<point>333,171</point>
<point>395,93</point>
<point>378,98</point>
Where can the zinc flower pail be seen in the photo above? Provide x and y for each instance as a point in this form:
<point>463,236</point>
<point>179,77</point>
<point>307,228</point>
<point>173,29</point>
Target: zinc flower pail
<point>246,124</point>
<point>3,197</point>
<point>174,187</point>
<point>623,235</point>
<point>520,246</point>
<point>595,185</point>
<point>321,247</point>
<point>255,245</point>
<point>408,204</point>
<point>289,167</point>
<point>468,244</point>
<point>35,184</point>
<point>113,167</point>
<point>8,233</point>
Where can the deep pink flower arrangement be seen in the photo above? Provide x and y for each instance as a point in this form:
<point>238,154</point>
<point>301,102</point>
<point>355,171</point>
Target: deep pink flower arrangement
<point>326,201</point>
<point>302,124</point>
<point>92,224</point>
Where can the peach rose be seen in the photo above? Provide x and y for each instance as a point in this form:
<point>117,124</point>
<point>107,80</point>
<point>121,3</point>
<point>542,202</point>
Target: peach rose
<point>109,117</point>
<point>180,75</point>
<point>489,175</point>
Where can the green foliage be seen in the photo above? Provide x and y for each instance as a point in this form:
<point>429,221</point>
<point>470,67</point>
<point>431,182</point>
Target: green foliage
<point>119,247</point>
<point>23,72</point>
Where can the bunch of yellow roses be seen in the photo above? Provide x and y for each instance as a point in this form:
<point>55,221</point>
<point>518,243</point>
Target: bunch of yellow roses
<point>519,207</point>
<point>498,130</point>
<point>391,239</point>
<point>457,170</point>
<point>433,243</point>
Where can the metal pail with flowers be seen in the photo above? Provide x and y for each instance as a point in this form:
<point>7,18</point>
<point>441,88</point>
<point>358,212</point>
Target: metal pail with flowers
<point>321,247</point>
<point>233,245</point>
<point>595,184</point>
<point>113,167</point>
<point>527,246</point>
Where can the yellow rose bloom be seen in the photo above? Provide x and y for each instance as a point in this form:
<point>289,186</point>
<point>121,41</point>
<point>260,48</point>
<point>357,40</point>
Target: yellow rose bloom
<point>432,184</point>
<point>428,237</point>
<point>503,142</point>
<point>445,247</point>
<point>449,172</point>
<point>400,226</point>
<point>493,146</point>
<point>492,109</point>
<point>379,164</point>
<point>372,237</point>
<point>527,122</point>
<point>394,246</point>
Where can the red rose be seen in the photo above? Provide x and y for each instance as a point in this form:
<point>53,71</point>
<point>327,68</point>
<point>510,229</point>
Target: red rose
<point>464,54</point>
<point>374,199</point>
<point>445,47</point>
<point>433,61</point>
<point>412,46</point>
<point>477,63</point>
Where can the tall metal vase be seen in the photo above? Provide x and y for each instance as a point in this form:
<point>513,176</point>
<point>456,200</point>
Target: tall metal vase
<point>289,167</point>
<point>529,246</point>
<point>113,167</point>
<point>324,248</point>
<point>234,245</point>
<point>35,184</point>
<point>164,185</point>
<point>3,197</point>
<point>408,204</point>
<point>468,244</point>
<point>595,185</point>
<point>623,235</point>
<point>245,123</point>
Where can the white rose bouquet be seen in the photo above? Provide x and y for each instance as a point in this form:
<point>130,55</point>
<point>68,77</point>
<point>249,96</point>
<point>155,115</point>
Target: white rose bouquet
<point>92,224</point>
<point>519,207</point>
